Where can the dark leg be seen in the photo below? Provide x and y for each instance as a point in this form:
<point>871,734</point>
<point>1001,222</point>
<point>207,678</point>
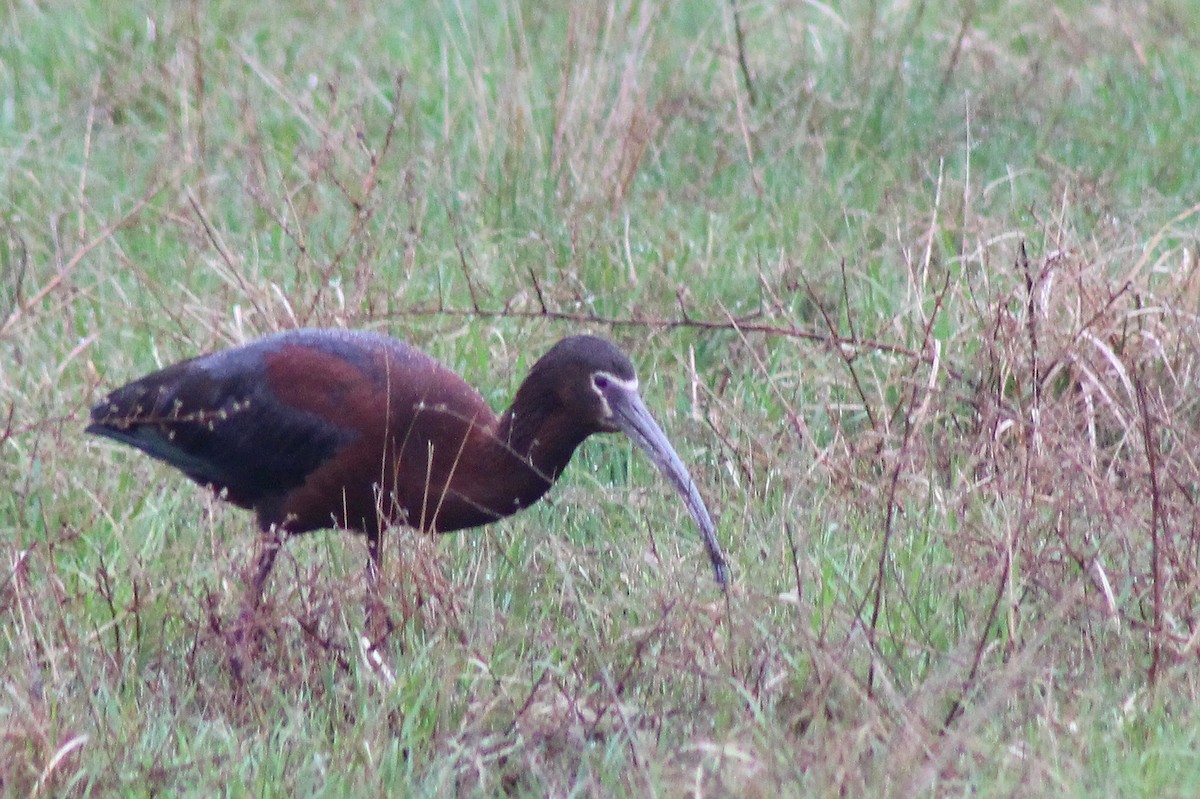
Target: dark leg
<point>247,621</point>
<point>373,560</point>
<point>378,620</point>
<point>266,560</point>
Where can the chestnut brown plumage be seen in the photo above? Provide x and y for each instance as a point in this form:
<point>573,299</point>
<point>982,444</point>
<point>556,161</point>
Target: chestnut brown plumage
<point>314,429</point>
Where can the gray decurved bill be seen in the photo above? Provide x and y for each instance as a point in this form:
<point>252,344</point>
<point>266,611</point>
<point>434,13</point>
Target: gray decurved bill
<point>631,415</point>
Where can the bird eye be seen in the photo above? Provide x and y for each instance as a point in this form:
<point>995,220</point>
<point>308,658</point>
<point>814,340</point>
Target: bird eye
<point>600,381</point>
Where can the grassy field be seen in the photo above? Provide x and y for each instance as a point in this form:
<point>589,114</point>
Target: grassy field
<point>911,285</point>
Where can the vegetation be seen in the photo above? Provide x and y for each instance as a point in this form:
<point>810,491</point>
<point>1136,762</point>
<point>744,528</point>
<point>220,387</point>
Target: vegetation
<point>912,287</point>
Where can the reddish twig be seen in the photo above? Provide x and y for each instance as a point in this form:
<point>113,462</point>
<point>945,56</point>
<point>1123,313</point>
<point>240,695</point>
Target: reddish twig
<point>1156,523</point>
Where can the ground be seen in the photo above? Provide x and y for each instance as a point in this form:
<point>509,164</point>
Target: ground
<point>912,286</point>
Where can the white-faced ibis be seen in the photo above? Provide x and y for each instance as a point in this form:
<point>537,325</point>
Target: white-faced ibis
<point>315,429</point>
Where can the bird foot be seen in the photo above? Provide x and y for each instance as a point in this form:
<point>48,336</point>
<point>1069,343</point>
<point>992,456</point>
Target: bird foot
<point>379,623</point>
<point>379,627</point>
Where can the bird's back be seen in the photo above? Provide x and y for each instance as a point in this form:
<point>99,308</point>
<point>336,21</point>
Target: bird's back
<point>302,426</point>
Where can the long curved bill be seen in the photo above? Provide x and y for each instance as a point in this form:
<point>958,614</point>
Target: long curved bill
<point>631,415</point>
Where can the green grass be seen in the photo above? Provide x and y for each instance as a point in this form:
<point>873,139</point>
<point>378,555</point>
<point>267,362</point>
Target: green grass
<point>921,318</point>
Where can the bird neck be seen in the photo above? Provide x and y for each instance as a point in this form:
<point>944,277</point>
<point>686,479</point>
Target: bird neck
<point>540,431</point>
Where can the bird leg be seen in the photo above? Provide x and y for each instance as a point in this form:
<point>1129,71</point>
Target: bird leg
<point>378,621</point>
<point>247,621</point>
<point>373,557</point>
<point>266,560</point>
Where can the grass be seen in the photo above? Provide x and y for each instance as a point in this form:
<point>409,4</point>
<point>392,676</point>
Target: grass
<point>914,295</point>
